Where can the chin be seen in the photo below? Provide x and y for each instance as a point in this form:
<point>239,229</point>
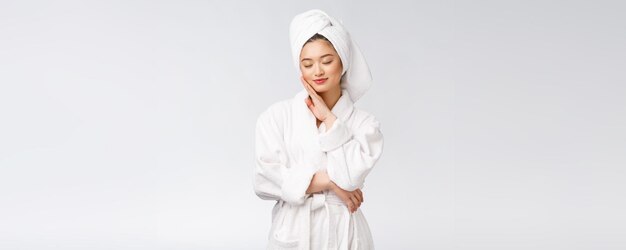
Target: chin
<point>322,88</point>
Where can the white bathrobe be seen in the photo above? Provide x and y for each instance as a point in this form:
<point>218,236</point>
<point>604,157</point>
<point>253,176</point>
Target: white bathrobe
<point>290,149</point>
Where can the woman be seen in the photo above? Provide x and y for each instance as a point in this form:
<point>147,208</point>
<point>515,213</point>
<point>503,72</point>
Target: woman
<point>314,151</point>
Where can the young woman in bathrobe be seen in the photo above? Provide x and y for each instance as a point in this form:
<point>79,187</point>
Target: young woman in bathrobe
<point>314,151</point>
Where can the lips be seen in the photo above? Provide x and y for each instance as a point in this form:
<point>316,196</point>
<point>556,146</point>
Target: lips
<point>320,81</point>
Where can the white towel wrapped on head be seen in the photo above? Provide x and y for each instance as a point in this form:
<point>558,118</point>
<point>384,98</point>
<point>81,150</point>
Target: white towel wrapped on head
<point>356,76</point>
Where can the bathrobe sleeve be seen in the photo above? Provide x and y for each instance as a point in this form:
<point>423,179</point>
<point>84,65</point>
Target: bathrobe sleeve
<point>274,178</point>
<point>352,153</point>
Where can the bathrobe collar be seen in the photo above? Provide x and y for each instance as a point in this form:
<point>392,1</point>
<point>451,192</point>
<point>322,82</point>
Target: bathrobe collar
<point>344,106</point>
<point>306,135</point>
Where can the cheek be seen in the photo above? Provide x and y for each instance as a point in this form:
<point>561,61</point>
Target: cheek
<point>335,70</point>
<point>308,74</point>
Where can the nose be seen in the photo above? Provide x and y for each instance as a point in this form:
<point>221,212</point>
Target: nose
<point>319,71</point>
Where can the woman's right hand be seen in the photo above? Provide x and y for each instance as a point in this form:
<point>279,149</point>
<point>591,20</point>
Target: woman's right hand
<point>352,199</point>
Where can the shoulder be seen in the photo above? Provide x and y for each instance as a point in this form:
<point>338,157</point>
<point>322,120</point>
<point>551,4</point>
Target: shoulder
<point>276,112</point>
<point>282,109</point>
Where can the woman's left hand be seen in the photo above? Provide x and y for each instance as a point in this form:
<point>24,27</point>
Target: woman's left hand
<point>352,199</point>
<point>316,104</point>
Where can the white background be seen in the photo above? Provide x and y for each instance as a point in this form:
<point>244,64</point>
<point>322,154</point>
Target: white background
<point>130,124</point>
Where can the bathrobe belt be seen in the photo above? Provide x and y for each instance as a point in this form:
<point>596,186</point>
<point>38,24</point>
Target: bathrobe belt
<point>314,202</point>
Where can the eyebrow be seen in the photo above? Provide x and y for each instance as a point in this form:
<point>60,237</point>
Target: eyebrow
<point>320,57</point>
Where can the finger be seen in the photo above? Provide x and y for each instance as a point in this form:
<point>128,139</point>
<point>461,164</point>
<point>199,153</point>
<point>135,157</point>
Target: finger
<point>356,195</point>
<point>312,92</point>
<point>356,201</point>
<point>350,204</point>
<point>309,88</point>
<point>308,102</point>
<point>315,98</point>
<point>360,194</point>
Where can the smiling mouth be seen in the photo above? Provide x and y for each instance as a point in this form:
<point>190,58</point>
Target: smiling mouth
<point>320,81</point>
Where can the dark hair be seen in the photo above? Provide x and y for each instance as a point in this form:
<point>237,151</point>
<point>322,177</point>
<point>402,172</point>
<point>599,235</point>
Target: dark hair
<point>317,36</point>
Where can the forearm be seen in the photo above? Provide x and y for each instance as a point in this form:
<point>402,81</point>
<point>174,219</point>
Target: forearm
<point>320,182</point>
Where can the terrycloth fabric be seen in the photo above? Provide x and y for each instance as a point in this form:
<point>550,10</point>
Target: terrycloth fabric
<point>290,149</point>
<point>356,78</point>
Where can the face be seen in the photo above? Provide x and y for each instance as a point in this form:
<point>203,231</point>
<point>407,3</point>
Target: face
<point>321,66</point>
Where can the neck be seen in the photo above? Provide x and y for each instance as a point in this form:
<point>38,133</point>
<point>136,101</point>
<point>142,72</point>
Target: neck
<point>331,97</point>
